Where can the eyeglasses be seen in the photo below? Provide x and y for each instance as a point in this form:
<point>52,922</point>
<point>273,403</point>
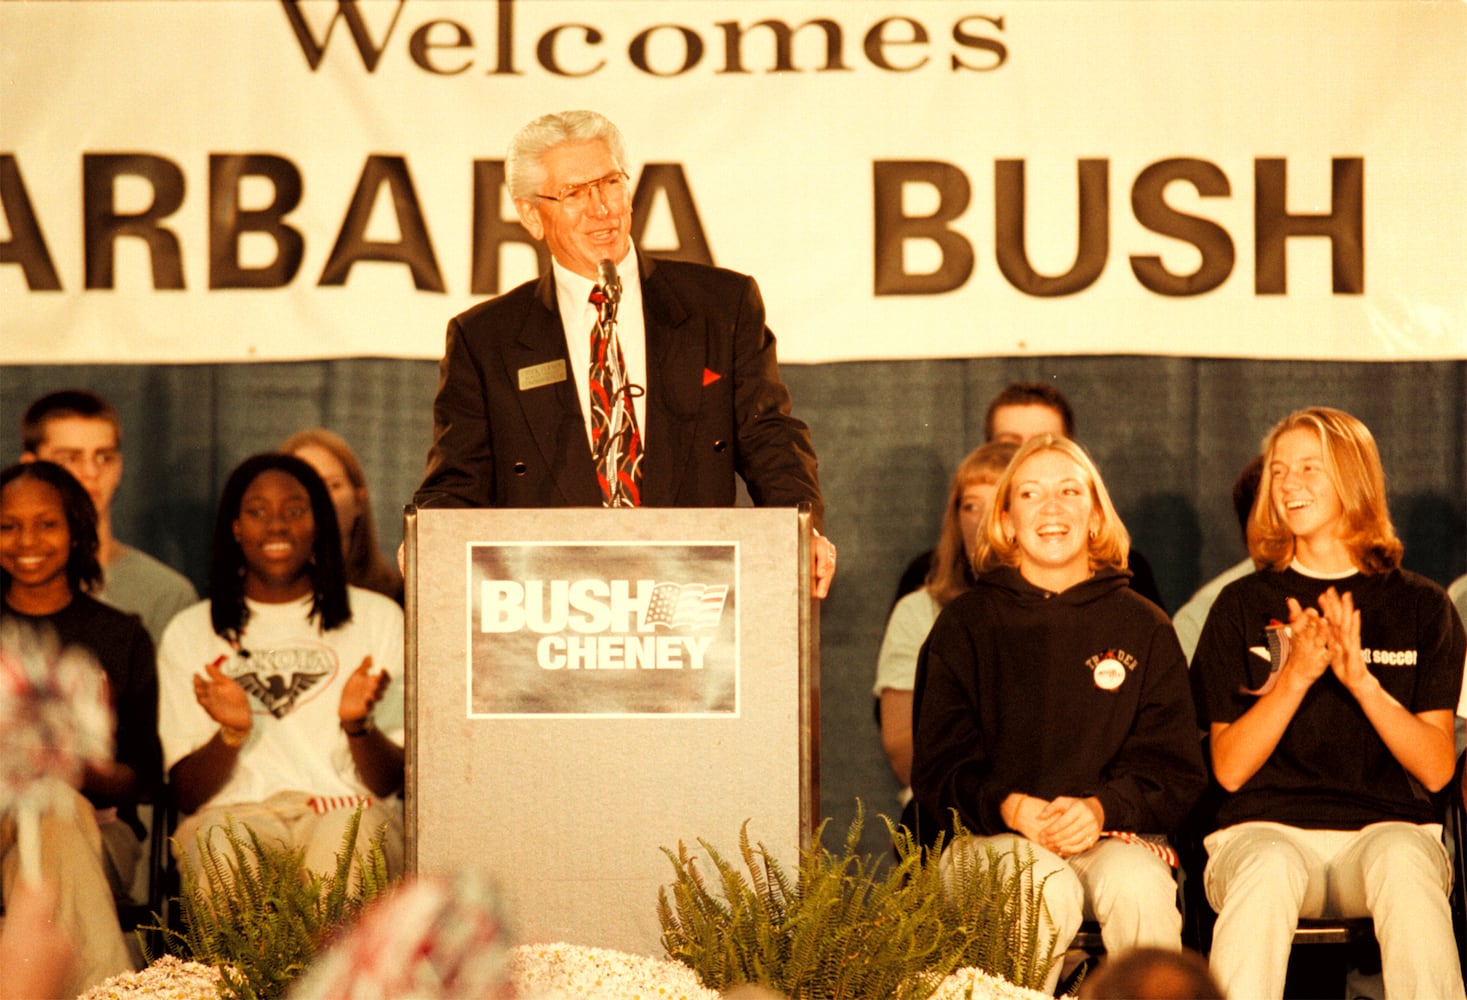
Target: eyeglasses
<point>576,198</point>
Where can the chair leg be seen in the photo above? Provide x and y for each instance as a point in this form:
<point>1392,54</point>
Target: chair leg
<point>1456,834</point>
<point>162,876</point>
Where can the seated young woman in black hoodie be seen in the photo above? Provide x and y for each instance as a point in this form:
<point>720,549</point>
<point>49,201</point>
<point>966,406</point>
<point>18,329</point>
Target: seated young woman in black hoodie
<point>1053,710</point>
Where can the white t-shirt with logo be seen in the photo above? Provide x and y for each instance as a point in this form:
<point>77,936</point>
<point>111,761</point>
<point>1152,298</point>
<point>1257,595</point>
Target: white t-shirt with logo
<point>294,674</point>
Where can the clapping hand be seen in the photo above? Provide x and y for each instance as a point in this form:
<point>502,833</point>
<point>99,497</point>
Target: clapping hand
<point>363,689</point>
<point>223,698</point>
<point>1310,647</point>
<point>1347,659</point>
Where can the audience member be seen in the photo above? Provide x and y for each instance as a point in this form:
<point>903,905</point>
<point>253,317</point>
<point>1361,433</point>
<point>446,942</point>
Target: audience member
<point>1051,708</point>
<point>1020,411</point>
<point>1151,974</point>
<point>340,469</point>
<point>1191,616</point>
<point>1328,679</point>
<point>951,574</point>
<point>1023,410</point>
<point>80,431</point>
<point>268,688</point>
<point>91,839</point>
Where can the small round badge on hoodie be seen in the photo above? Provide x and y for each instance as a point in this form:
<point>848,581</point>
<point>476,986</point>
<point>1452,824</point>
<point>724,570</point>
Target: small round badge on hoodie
<point>1109,674</point>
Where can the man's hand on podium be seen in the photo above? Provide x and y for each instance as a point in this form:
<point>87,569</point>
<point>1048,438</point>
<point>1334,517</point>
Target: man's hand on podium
<point>822,553</point>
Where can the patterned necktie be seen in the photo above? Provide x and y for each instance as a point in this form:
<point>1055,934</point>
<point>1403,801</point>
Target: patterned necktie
<point>616,443</point>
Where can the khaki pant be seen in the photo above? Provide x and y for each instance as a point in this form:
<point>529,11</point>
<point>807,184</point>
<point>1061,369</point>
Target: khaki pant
<point>72,858</point>
<point>1262,877</point>
<point>1124,886</point>
<point>288,818</point>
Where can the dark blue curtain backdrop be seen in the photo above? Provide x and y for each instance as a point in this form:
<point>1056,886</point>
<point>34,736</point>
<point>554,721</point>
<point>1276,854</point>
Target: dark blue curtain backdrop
<point>1169,435</point>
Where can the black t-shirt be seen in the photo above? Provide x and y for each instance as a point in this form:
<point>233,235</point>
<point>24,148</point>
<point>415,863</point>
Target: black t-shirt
<point>1330,769</point>
<point>125,652</point>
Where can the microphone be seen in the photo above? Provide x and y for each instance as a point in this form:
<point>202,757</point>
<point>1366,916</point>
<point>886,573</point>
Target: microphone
<point>610,282</point>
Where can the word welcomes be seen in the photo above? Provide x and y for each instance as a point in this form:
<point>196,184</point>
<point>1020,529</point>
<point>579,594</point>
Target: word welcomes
<point>893,43</point>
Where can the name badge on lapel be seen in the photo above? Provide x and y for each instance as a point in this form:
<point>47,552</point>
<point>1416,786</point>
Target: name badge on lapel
<point>549,373</point>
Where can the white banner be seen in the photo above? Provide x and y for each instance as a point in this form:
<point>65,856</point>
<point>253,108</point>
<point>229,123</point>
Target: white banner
<point>240,180</point>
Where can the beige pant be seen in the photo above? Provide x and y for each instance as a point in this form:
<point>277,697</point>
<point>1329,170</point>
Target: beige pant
<point>1124,886</point>
<point>121,852</point>
<point>1262,877</point>
<point>288,818</point>
<point>72,859</point>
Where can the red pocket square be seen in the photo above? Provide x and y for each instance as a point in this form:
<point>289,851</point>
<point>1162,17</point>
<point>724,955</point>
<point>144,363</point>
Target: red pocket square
<point>710,376</point>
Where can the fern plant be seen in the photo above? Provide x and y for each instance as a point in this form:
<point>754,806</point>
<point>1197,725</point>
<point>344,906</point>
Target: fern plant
<point>847,927</point>
<point>260,915</point>
<point>993,896</point>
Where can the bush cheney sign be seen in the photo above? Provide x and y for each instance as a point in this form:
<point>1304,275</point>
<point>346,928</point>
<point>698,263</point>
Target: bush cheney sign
<point>628,629</point>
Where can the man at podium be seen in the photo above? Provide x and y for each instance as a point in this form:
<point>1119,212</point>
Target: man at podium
<point>613,379</point>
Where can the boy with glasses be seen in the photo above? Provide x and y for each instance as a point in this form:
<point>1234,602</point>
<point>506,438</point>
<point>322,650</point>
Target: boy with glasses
<point>80,431</point>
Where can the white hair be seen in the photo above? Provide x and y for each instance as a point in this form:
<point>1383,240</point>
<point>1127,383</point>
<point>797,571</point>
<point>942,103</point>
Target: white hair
<point>524,169</point>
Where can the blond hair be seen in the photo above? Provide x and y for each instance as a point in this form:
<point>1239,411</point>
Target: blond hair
<point>1352,465</point>
<point>951,573</point>
<point>1109,544</point>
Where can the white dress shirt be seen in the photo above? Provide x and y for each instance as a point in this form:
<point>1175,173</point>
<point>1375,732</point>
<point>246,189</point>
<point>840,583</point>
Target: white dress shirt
<point>578,319</point>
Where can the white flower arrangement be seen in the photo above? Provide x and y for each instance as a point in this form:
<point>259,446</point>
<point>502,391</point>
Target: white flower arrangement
<point>570,972</point>
<point>975,984</point>
<point>575,972</point>
<point>168,978</point>
<point>540,972</point>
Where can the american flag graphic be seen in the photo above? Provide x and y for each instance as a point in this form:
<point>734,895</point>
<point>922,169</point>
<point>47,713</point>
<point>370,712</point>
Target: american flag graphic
<point>323,804</point>
<point>1155,844</point>
<point>694,606</point>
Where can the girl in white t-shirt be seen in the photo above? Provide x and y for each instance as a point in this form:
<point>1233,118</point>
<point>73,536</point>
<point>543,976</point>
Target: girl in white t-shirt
<point>277,708</point>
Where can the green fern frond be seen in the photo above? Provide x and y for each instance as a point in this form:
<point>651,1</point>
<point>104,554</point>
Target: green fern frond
<point>254,910</point>
<point>846,926</point>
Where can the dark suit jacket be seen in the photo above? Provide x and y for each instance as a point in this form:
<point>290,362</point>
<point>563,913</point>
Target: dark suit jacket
<point>715,405</point>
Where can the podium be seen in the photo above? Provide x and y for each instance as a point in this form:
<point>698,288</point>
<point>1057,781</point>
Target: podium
<point>586,687</point>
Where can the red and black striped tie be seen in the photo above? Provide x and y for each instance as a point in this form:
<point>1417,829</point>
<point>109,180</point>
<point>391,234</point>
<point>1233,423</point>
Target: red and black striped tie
<point>616,443</point>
